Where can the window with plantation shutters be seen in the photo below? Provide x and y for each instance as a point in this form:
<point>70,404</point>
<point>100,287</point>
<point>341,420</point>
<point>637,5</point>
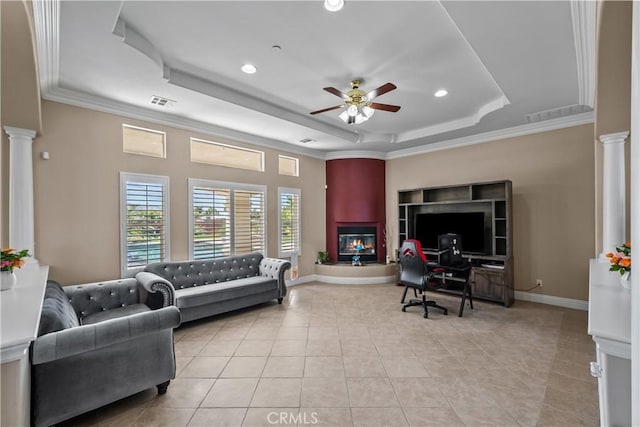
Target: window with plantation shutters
<point>226,219</point>
<point>289,222</point>
<point>144,212</point>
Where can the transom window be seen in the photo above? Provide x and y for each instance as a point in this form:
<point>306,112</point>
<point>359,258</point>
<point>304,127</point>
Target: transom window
<point>147,142</point>
<point>216,153</point>
<point>288,165</point>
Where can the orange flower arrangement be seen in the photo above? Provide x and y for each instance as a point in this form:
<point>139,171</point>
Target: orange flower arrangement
<point>621,260</point>
<point>11,259</point>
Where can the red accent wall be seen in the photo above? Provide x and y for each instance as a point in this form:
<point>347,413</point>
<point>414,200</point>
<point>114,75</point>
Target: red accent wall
<point>355,196</point>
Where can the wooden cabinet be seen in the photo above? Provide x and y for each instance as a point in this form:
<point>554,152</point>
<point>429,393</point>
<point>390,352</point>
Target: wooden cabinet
<point>492,284</point>
<point>493,267</point>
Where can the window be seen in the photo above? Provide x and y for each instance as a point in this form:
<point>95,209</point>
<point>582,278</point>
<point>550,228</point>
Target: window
<point>226,219</point>
<point>288,166</point>
<point>144,219</point>
<point>146,142</point>
<point>289,222</point>
<point>215,153</point>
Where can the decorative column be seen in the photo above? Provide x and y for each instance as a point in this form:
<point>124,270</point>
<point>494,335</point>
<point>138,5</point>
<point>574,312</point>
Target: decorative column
<point>21,210</point>
<point>613,192</point>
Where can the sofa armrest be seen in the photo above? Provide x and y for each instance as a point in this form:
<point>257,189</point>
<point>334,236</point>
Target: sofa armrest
<point>72,341</point>
<point>275,268</point>
<point>154,283</point>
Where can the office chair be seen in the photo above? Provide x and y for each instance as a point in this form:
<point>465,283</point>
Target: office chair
<point>415,274</point>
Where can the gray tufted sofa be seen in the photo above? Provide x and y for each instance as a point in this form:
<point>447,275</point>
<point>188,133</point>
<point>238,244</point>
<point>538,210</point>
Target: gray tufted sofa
<point>205,288</point>
<point>98,343</point>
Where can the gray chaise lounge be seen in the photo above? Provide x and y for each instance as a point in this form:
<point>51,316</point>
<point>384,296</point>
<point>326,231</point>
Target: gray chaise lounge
<point>205,288</point>
<point>99,343</point>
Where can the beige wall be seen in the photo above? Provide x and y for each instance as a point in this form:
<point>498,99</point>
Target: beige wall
<point>553,196</point>
<point>613,91</point>
<point>77,192</point>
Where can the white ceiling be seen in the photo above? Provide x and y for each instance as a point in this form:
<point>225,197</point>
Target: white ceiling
<point>504,63</point>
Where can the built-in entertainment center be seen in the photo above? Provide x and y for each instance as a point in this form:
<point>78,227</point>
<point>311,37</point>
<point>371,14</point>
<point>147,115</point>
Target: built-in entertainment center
<point>481,214</point>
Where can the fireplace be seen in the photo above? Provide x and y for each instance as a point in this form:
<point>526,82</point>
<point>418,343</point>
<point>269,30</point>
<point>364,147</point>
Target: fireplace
<point>357,241</point>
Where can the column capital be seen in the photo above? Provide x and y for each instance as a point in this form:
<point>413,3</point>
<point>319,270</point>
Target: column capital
<point>19,132</point>
<point>612,138</point>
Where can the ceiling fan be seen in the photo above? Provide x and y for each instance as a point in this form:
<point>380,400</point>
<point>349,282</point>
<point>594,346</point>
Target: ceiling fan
<point>358,103</point>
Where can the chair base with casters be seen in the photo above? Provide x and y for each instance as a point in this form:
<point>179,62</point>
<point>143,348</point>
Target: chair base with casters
<point>423,302</point>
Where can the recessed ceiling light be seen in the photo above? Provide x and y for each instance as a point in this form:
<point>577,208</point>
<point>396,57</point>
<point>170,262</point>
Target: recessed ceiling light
<point>440,93</point>
<point>249,69</point>
<point>333,5</point>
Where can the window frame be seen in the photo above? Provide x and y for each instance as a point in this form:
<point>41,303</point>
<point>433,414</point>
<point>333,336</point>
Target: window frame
<point>298,193</point>
<point>233,186</point>
<point>126,177</point>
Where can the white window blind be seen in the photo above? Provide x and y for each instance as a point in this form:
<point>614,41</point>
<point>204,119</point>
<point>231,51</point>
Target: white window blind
<point>289,222</point>
<point>144,220</point>
<point>226,219</point>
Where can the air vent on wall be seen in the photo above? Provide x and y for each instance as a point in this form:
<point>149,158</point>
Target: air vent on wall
<point>307,140</point>
<point>162,102</point>
<point>556,113</point>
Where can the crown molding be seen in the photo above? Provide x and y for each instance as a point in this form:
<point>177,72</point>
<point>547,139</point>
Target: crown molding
<point>530,128</point>
<point>337,155</point>
<point>46,22</point>
<point>105,105</point>
<point>583,16</point>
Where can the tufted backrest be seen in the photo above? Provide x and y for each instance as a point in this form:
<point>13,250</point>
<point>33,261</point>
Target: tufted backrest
<point>188,274</point>
<point>92,298</point>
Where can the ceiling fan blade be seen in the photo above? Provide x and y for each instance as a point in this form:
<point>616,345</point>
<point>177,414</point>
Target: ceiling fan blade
<point>336,92</point>
<point>385,107</point>
<point>387,87</point>
<point>324,110</point>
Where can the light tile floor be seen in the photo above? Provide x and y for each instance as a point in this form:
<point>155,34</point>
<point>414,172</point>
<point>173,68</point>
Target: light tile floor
<point>335,355</point>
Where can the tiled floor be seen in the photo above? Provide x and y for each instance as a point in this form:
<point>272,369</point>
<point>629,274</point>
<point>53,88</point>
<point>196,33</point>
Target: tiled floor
<point>334,355</point>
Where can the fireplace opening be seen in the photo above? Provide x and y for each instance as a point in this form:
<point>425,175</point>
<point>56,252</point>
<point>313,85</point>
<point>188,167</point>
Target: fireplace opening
<point>357,241</point>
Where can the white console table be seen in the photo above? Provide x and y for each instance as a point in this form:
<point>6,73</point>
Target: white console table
<point>20,309</point>
<point>610,327</point>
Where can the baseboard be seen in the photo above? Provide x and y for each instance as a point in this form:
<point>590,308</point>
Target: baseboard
<point>519,295</point>
<point>551,300</point>
<point>342,280</point>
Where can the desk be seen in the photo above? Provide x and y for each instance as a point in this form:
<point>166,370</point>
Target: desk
<point>456,274</point>
<point>20,309</point>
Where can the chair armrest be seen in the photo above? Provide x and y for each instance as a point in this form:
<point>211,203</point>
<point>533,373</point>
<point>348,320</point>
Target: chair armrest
<point>275,268</point>
<point>154,283</point>
<point>72,341</point>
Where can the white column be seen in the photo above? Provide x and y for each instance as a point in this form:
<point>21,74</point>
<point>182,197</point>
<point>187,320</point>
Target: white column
<point>613,192</point>
<point>21,210</point>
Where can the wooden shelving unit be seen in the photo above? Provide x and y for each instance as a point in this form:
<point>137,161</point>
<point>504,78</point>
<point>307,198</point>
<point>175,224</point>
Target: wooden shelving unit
<point>492,274</point>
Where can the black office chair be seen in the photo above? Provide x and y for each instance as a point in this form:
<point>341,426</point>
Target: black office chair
<point>415,274</point>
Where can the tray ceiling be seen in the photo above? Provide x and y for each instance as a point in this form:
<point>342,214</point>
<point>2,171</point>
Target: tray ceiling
<point>505,64</point>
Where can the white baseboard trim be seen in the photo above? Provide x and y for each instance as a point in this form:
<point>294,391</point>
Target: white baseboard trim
<point>551,300</point>
<point>519,295</point>
<point>379,280</point>
<point>300,280</point>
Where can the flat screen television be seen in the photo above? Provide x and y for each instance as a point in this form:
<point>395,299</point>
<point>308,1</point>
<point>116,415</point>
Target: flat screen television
<point>469,225</point>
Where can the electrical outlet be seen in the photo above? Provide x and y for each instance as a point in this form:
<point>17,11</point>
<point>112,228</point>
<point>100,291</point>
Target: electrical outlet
<point>539,282</point>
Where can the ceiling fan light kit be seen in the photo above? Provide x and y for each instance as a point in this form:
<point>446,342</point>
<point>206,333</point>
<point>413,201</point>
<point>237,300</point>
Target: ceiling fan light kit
<point>358,104</point>
<point>333,5</point>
